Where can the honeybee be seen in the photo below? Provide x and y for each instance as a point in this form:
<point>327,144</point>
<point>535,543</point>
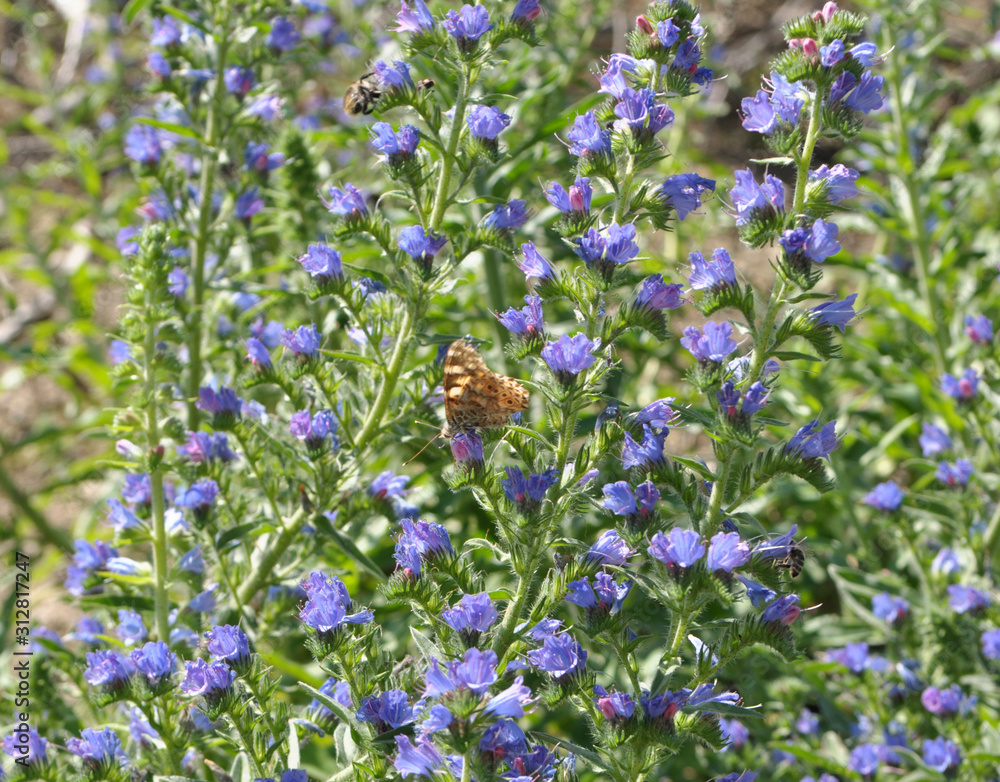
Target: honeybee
<point>795,561</point>
<point>361,96</point>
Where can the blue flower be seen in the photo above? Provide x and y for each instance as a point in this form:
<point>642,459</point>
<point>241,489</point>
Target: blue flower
<point>26,746</point>
<point>387,711</point>
<point>506,217</point>
<point>838,182</point>
<point>808,443</point>
<point>713,346</point>
<point>476,673</point>
<point>835,313</point>
<point>942,702</point>
<point>890,608</point>
<point>266,107</point>
<point>534,264</point>
<point>639,112</point>
<point>954,475</point>
<point>428,539</point>
<point>528,492</point>
<point>604,598</point>
<point>886,497</point>
<point>684,192</point>
<point>474,614</point>
<point>609,549</point>
<point>397,147</point>
<point>647,453</point>
<point>303,342</point>
<point>787,98</point>
<point>616,707</point>
<point>503,741</point>
<point>211,680</point>
<point>526,322</point>
<point>655,294</point>
<point>322,263</point>
<point>647,495</point>
<point>568,356</point>
<point>657,414</point>
<point>680,549</point>
<point>229,644</point>
<point>467,448</point>
<point>941,754</point>
<point>336,690</point>
<point>315,430</point>
<point>588,137</point>
<point>142,144</point>
<point>864,760</point>
<point>979,329</point>
<point>224,401</point>
<point>392,77</point>
<point>758,593</point>
<point>758,114</point>
<point>613,81</point>
<point>752,201</point>
<point>783,611</point>
<point>734,731</point>
<point>282,36</point>
<point>576,202</point>
<point>727,552</point>
<point>165,32</point>
<point>468,25</point>
<point>415,20</point>
<point>329,603</point>
<point>154,660</point>
<point>158,65</point>
<point>964,388</point>
<point>667,32</point>
<point>714,275</point>
<point>619,499</point>
<point>107,669</point>
<point>348,202</point>
<point>525,11</point>
<point>87,630</point>
<point>130,627</point>
<point>239,81</point>
<point>963,599</point>
<point>604,251</point>
<point>817,244</point>
<point>248,204</point>
<point>990,639</point>
<point>486,122</point>
<point>98,747</point>
<point>421,758</point>
<point>507,703</point>
<point>560,656</point>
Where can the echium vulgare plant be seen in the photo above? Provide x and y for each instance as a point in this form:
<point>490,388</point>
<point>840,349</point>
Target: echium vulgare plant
<point>590,631</point>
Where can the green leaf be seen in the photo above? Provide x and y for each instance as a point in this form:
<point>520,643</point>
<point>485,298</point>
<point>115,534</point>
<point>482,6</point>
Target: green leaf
<point>236,533</point>
<point>350,357</point>
<point>132,9</point>
<point>728,709</point>
<point>791,355</point>
<point>180,130</point>
<point>351,548</point>
<point>426,646</point>
<point>336,707</point>
<point>593,759</point>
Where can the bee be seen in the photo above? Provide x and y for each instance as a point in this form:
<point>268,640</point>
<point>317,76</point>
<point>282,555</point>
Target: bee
<point>361,96</point>
<point>794,561</point>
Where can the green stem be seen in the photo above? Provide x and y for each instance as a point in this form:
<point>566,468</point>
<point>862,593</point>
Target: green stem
<point>161,597</point>
<point>448,161</point>
<point>516,606</point>
<point>718,491</point>
<point>209,163</point>
<point>248,744</point>
<point>272,555</point>
<point>913,213</point>
<point>679,631</point>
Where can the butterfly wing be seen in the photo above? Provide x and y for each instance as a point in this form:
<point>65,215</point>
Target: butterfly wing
<point>474,396</point>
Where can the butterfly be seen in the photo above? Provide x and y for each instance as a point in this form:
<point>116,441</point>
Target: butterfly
<point>475,397</point>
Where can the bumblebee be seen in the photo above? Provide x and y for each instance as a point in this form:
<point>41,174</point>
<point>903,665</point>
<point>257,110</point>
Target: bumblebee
<point>795,561</point>
<point>361,96</point>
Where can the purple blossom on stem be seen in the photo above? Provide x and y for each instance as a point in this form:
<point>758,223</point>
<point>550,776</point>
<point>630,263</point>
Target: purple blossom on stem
<point>322,262</point>
<point>507,217</point>
<point>677,550</point>
<point>964,599</point>
<point>303,342</point>
<point>655,294</point>
<point>727,552</point>
<point>609,549</point>
<point>837,314</point>
<point>684,192</point>
<point>535,265</point>
<point>416,20</point>
<point>576,202</point>
<point>143,145</point>
<point>645,454</point>
<point>964,388</point>
<point>752,201</point>
<point>568,356</point>
<point>486,122</point>
<point>956,474</point>
<point>809,443</point>
<point>348,203</point>
<point>886,497</point>
<point>838,182</point>
<point>468,25</point>
<point>713,346</point>
<point>979,329</point>
<point>588,137</point>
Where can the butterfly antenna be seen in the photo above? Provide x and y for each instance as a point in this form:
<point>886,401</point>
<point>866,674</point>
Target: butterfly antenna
<point>428,445</point>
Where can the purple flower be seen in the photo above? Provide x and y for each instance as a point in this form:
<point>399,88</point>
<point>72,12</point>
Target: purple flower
<point>864,760</point>
<point>142,144</point>
<point>303,342</point>
<point>838,182</point>
<point>613,81</point>
<point>248,204</point>
<point>224,401</point>
<point>942,702</point>
<point>963,389</point>
<point>786,98</point>
<point>576,202</point>
<point>120,517</point>
<point>486,122</point>
<point>130,627</point>
<point>560,656</point>
<point>259,158</point>
<point>126,240</point>
<point>337,691</point>
<point>609,549</point>
<point>588,137</point>
<point>619,499</point>
<point>727,552</point>
<point>26,746</point>
<point>473,614</point>
<point>646,453</point>
<point>328,605</point>
<point>946,562</point>
<point>809,443</point>
<point>615,246</point>
<point>616,707</point>
<point>752,200</point>
<point>956,474</point>
<point>864,53</point>
<point>683,192</point>
<point>639,112</point>
<point>199,496</point>
<point>266,107</point>
<point>758,593</point>
<point>526,322</point>
<point>941,754</point>
<point>467,448</point>
<point>990,639</point>
<point>507,217</point>
<point>468,25</point>
<point>397,147</point>
<point>87,630</point>
<point>158,65</point>
<point>657,414</point>
<point>890,608</point>
<point>415,20</point>
<point>421,758</point>
<point>866,96</point>
<point>98,747</point>
<point>429,539</point>
<point>886,497</point>
<point>239,81</point>
<point>388,484</point>
<point>387,711</point>
<point>322,263</point>
<point>667,32</point>
<point>680,549</point>
<point>535,265</point>
<point>783,611</point>
<point>476,673</point>
<point>211,680</point>
<point>979,329</point>
<point>568,356</point>
<point>648,495</point>
<point>392,77</point>
<point>816,244</point>
<point>229,644</point>
<point>525,11</point>
<point>837,314</point>
<point>528,492</point>
<point>419,245</point>
<point>165,32</point>
<point>503,742</point>
<point>963,599</point>
<point>734,731</point>
<point>717,274</point>
<point>154,660</point>
<point>758,114</point>
<point>832,53</point>
<point>178,281</point>
<point>349,202</point>
<point>258,355</point>
<point>282,35</point>
<point>108,669</point>
<point>713,346</point>
<point>654,294</point>
<point>603,598</point>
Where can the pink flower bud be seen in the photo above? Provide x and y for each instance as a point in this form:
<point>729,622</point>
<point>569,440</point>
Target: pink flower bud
<point>645,25</point>
<point>809,47</point>
<point>828,11</point>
